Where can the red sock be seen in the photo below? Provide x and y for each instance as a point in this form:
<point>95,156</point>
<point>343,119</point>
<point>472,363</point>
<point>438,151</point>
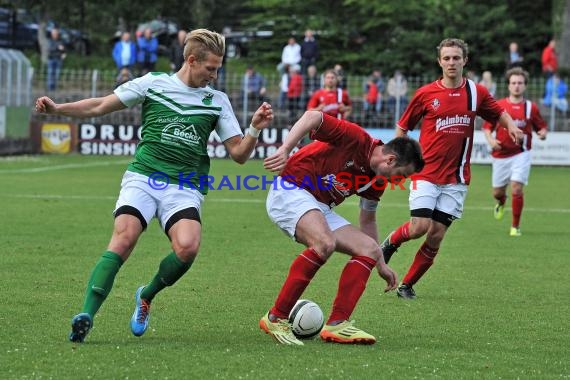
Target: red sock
<point>401,234</point>
<point>351,286</point>
<point>501,200</point>
<point>517,206</point>
<point>302,270</point>
<point>423,260</point>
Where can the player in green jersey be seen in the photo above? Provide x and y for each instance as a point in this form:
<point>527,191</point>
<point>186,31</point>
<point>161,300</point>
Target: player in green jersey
<point>179,112</point>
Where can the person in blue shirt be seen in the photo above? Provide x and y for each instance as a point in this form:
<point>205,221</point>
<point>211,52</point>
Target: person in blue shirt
<point>124,52</point>
<point>555,93</point>
<point>147,51</point>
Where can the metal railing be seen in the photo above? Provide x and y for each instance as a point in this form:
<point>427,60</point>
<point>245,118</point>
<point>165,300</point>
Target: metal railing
<point>78,84</point>
<point>16,74</point>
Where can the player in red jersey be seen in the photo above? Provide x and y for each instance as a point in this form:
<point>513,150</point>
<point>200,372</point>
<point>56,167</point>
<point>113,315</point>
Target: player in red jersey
<point>331,99</point>
<point>511,162</point>
<point>344,161</point>
<point>448,108</point>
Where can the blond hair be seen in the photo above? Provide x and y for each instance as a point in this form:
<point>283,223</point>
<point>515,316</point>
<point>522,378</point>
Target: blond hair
<point>200,42</point>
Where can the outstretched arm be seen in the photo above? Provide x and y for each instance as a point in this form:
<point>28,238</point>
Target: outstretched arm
<point>309,121</point>
<point>91,107</point>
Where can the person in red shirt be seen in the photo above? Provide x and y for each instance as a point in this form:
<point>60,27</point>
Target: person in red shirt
<point>511,162</point>
<point>343,161</point>
<point>294,92</point>
<point>549,59</point>
<point>331,99</point>
<point>447,108</point>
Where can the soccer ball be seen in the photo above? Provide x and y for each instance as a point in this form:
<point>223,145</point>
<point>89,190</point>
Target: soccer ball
<point>307,319</point>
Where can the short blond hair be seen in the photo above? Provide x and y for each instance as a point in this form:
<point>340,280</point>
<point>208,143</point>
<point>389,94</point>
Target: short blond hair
<point>200,42</point>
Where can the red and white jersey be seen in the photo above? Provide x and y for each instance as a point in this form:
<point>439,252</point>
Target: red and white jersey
<point>527,117</point>
<point>337,165</point>
<point>446,134</point>
<point>331,100</point>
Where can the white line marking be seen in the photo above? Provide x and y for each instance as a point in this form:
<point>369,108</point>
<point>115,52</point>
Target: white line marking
<point>255,201</point>
<point>60,167</point>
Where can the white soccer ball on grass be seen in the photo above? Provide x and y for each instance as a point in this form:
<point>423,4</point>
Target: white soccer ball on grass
<point>307,319</point>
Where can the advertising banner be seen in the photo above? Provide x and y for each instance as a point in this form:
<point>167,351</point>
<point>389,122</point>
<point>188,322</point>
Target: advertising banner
<point>117,140</point>
<point>56,138</point>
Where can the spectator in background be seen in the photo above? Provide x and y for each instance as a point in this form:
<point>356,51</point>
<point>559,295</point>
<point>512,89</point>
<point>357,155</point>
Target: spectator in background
<point>311,83</point>
<point>549,59</point>
<point>555,93</point>
<point>309,51</point>
<point>56,55</point>
<point>373,87</point>
<point>331,99</point>
<point>397,93</point>
<point>488,82</point>
<point>253,85</point>
<point>124,75</point>
<point>471,74</point>
<point>291,55</point>
<point>283,88</point>
<point>147,51</point>
<point>294,92</point>
<point>177,51</point>
<point>514,58</point>
<point>341,78</point>
<point>125,53</point>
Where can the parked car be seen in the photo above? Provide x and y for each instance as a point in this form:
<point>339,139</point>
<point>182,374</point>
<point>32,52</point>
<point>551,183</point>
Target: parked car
<point>16,34</point>
<point>19,30</point>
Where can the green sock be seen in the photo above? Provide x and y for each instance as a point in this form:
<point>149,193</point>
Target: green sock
<point>101,281</point>
<point>169,271</point>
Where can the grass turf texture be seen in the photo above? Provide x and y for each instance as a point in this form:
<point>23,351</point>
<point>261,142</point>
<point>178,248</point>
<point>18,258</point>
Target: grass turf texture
<point>491,307</point>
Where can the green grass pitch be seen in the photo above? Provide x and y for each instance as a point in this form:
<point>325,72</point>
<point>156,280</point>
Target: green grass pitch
<point>491,307</point>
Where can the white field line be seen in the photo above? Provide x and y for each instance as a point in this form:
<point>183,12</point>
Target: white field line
<point>255,201</point>
<point>61,167</point>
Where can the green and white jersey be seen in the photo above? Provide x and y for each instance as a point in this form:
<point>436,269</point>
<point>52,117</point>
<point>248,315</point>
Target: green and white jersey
<point>176,123</point>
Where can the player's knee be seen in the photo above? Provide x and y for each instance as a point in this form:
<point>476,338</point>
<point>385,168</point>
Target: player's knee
<point>372,250</point>
<point>186,249</point>
<point>417,230</point>
<point>123,243</point>
<point>324,246</point>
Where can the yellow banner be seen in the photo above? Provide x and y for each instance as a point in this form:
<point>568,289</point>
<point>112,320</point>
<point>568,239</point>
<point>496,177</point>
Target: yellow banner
<point>56,138</point>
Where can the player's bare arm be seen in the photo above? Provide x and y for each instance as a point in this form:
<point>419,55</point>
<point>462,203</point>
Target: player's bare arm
<point>91,107</point>
<point>309,121</point>
<point>401,132</point>
<point>240,149</point>
<point>493,142</point>
<point>387,274</point>
<point>367,220</point>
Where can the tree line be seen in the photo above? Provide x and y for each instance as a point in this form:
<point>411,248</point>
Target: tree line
<point>359,34</point>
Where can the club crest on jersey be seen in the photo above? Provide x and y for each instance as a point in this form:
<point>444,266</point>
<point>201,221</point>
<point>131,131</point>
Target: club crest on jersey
<point>349,164</point>
<point>207,100</point>
<point>435,104</point>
